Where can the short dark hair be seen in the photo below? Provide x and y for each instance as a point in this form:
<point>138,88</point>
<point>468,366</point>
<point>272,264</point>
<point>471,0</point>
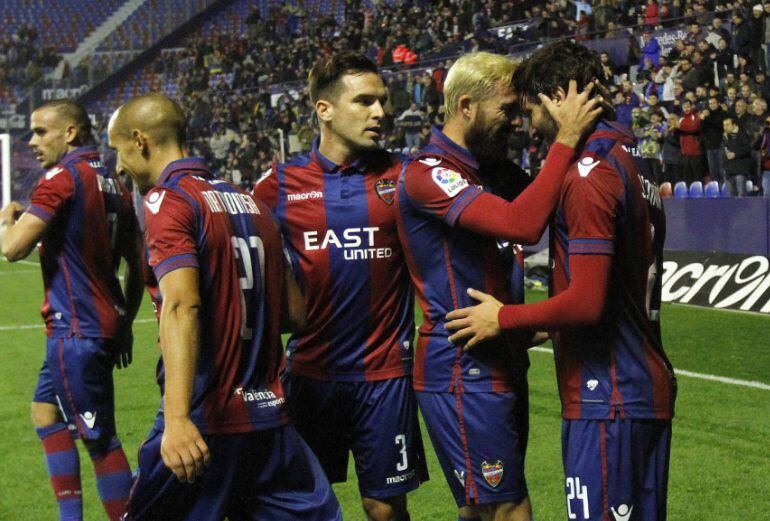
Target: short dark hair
<point>327,71</point>
<point>553,67</point>
<point>74,113</point>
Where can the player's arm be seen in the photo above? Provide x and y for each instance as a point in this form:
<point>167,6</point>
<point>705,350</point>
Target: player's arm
<point>590,209</point>
<point>183,449</point>
<point>19,235</point>
<point>133,285</point>
<point>294,309</point>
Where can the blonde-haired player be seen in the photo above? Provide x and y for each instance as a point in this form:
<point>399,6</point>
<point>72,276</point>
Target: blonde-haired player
<point>475,406</point>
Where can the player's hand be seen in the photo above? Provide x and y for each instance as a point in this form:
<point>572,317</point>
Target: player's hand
<point>539,338</point>
<point>575,114</point>
<point>475,324</point>
<point>124,350</point>
<point>183,449</point>
<point>11,212</point>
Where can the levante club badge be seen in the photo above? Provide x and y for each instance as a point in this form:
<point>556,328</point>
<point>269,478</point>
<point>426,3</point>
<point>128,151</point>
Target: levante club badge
<point>386,190</point>
<point>493,472</point>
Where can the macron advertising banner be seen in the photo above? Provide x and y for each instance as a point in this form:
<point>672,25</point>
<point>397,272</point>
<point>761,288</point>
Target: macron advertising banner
<point>717,280</point>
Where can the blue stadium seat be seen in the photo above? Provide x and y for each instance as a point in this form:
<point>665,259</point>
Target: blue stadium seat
<point>749,187</point>
<point>712,189</point>
<point>725,190</point>
<point>696,189</point>
<point>680,190</point>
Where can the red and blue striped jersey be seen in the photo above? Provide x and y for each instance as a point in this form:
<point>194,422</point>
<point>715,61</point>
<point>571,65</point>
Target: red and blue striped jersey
<point>608,208</point>
<point>444,261</point>
<point>89,216</point>
<point>339,228</point>
<point>195,220</point>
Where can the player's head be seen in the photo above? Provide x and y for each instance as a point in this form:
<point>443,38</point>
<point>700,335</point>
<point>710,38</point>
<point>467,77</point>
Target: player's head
<point>145,133</point>
<point>348,95</point>
<point>58,127</point>
<point>549,71</point>
<point>479,98</point>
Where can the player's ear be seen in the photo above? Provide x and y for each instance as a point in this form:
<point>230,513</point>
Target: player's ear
<point>559,96</point>
<point>71,135</point>
<point>139,140</point>
<point>325,110</point>
<point>466,106</point>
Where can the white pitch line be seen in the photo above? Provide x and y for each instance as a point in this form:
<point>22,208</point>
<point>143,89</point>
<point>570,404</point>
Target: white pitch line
<point>699,376</point>
<point>42,326</point>
<point>25,262</point>
<point>20,272</point>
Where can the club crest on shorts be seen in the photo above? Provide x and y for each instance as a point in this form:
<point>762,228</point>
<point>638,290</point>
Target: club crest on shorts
<point>386,190</point>
<point>493,472</point>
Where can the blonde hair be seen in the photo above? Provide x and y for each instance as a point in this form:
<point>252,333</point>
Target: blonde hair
<point>476,75</point>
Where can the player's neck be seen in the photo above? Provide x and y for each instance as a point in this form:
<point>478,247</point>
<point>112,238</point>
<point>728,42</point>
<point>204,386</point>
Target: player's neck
<point>455,131</point>
<point>335,150</point>
<point>161,158</point>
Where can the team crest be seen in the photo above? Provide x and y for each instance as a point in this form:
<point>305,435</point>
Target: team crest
<point>493,472</point>
<point>386,190</point>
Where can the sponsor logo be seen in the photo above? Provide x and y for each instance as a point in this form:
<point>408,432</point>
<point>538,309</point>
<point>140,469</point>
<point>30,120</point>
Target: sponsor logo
<point>386,190</point>
<point>460,475</point>
<point>720,280</point>
<point>304,196</point>
<point>451,182</point>
<point>430,161</point>
<point>592,384</point>
<point>492,472</point>
<point>585,166</point>
<point>53,172</point>
<point>356,243</point>
<point>623,513</point>
<point>154,200</point>
<point>474,371</point>
<point>263,397</point>
<point>392,480</point>
<point>89,418</point>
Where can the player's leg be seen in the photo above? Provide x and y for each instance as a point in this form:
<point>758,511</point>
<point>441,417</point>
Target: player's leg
<point>280,479</point>
<point>650,450</point>
<point>322,418</point>
<point>468,514</point>
<point>84,368</point>
<point>387,446</point>
<point>61,455</point>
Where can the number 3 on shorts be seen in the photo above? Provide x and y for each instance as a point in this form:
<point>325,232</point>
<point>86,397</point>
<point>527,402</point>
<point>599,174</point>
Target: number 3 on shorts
<point>575,491</point>
<point>404,463</point>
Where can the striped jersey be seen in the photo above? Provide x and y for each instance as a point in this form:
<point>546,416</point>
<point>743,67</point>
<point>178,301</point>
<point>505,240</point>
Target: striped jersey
<point>444,261</point>
<point>194,220</point>
<point>89,216</point>
<point>607,207</point>
<point>339,229</point>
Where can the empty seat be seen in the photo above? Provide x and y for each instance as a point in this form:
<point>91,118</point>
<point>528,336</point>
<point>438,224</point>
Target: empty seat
<point>665,189</point>
<point>680,190</point>
<point>712,189</point>
<point>696,189</point>
<point>749,187</point>
<point>725,190</point>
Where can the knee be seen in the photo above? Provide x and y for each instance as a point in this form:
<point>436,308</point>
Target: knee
<point>43,414</point>
<point>391,509</point>
<point>100,447</point>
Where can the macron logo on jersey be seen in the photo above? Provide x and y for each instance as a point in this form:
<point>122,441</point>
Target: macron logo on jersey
<point>623,513</point>
<point>585,166</point>
<point>154,200</point>
<point>304,196</point>
<point>430,161</point>
<point>89,418</point>
<point>451,182</point>
<point>52,173</point>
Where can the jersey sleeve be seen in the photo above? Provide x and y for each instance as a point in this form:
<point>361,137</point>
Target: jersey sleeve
<point>170,232</point>
<point>440,192</point>
<point>54,190</point>
<point>591,201</point>
<point>266,187</point>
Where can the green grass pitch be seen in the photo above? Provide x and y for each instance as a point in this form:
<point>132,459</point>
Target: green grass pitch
<point>720,462</point>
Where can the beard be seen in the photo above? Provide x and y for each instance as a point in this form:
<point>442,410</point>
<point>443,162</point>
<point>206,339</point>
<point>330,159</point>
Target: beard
<point>488,145</point>
<point>547,127</point>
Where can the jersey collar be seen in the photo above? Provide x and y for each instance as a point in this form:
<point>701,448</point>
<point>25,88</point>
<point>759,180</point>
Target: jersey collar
<point>330,167</point>
<point>86,152</point>
<point>185,165</point>
<point>452,149</point>
<point>614,130</point>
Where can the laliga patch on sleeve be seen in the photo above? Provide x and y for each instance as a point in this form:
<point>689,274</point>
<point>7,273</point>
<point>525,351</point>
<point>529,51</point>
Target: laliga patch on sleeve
<point>451,182</point>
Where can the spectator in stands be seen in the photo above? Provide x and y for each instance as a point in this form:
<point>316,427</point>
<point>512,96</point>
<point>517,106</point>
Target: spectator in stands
<point>741,36</point>
<point>712,129</point>
<point>650,50</point>
<point>672,150</point>
<point>689,142</point>
<point>765,154</point>
<point>737,164</point>
<point>757,24</point>
<point>411,121</point>
<point>651,144</point>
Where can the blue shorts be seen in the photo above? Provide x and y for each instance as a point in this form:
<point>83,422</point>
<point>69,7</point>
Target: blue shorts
<point>377,421</point>
<point>617,467</point>
<point>77,377</point>
<point>481,441</point>
<point>258,475</point>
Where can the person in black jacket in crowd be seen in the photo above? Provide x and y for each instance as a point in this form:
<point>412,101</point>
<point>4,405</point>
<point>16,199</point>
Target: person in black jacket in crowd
<point>737,164</point>
<point>711,129</point>
<point>741,35</point>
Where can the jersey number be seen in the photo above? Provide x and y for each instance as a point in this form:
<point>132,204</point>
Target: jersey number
<point>243,252</point>
<point>575,491</point>
<point>404,463</point>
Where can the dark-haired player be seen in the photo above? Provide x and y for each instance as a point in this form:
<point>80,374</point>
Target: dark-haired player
<point>348,378</point>
<point>222,444</point>
<point>475,404</point>
<point>617,387</point>
<point>83,217</point>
